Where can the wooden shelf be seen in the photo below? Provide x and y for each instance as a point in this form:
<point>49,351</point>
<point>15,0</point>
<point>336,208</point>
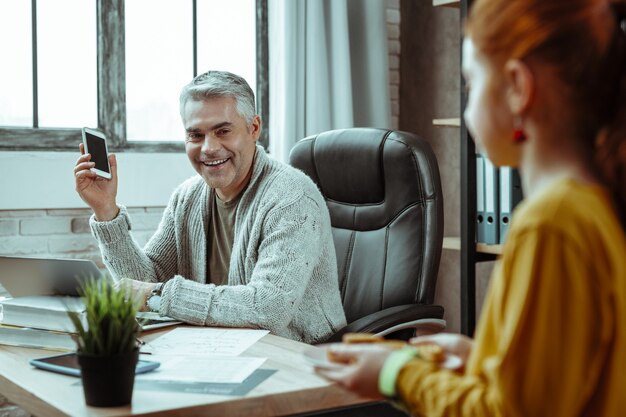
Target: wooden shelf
<point>447,3</point>
<point>454,243</point>
<point>452,122</point>
<point>491,249</point>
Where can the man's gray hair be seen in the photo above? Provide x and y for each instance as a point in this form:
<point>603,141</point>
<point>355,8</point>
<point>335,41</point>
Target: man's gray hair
<point>220,84</point>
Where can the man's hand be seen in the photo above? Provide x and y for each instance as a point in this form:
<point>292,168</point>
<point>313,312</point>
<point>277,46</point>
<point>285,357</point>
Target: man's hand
<point>97,192</point>
<point>137,290</point>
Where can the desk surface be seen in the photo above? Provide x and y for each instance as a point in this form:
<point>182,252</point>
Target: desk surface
<point>294,388</point>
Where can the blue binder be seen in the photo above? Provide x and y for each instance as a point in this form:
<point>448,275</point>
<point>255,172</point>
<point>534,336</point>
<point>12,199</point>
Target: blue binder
<point>492,202</point>
<point>480,198</point>
<point>510,195</point>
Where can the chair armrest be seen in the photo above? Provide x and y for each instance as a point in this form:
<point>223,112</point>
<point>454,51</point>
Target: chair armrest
<point>403,316</point>
<point>427,326</point>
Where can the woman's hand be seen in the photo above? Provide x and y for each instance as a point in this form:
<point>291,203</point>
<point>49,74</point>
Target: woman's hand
<point>365,361</point>
<point>451,343</point>
<point>361,375</point>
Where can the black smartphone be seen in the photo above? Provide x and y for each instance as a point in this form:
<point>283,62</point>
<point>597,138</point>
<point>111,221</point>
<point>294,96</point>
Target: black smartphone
<point>95,143</point>
<point>67,364</point>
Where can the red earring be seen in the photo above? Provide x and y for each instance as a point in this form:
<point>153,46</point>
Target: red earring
<point>519,136</point>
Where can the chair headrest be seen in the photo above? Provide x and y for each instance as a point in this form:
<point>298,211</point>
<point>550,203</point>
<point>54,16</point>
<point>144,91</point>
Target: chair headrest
<point>349,165</point>
<point>367,175</point>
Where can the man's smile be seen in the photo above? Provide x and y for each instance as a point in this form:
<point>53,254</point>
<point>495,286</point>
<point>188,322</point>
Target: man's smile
<point>216,162</point>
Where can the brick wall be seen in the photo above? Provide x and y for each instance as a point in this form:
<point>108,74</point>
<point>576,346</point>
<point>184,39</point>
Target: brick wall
<point>64,233</point>
<point>393,38</point>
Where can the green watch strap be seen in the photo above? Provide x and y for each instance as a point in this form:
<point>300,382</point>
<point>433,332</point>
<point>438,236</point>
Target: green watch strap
<point>391,369</point>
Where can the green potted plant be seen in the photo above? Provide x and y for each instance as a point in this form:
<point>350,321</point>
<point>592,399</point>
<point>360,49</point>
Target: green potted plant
<point>107,343</point>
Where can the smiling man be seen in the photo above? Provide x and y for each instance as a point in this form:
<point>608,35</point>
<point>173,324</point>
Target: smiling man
<point>245,243</point>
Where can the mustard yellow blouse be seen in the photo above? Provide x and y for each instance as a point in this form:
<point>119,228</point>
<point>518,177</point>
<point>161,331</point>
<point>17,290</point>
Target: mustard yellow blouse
<point>551,340</point>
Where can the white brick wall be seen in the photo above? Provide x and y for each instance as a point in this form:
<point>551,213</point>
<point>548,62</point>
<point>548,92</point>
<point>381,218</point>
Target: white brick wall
<point>45,226</point>
<point>8,227</point>
<point>64,233</point>
<point>20,245</point>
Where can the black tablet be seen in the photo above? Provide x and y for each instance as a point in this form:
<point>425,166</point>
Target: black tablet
<point>67,364</point>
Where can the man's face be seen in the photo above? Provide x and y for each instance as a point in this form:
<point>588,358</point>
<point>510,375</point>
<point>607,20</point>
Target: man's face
<point>220,144</point>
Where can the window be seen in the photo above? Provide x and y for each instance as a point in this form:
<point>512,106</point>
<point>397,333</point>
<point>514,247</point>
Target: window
<point>125,76</point>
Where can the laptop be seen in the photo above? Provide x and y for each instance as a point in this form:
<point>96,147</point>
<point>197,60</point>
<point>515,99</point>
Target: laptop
<point>26,276</point>
<point>149,320</point>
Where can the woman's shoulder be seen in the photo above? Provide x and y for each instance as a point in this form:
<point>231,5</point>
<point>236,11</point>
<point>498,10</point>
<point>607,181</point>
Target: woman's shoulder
<point>579,212</point>
<point>563,202</point>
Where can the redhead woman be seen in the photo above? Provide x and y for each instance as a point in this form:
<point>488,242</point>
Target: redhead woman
<point>547,94</point>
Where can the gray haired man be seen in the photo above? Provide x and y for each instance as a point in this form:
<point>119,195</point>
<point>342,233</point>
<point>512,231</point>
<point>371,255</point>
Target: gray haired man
<point>245,243</point>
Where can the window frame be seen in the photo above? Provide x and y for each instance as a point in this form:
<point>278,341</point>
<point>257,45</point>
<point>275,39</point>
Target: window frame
<point>112,89</point>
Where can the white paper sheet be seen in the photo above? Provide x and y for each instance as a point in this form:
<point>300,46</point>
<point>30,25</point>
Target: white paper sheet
<point>213,369</point>
<point>204,341</point>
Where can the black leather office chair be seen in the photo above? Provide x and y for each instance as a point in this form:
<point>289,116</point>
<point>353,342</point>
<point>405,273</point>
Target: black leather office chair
<point>384,195</point>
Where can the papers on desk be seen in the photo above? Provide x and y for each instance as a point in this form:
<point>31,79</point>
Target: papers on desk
<point>216,369</point>
<point>206,341</point>
<point>204,355</point>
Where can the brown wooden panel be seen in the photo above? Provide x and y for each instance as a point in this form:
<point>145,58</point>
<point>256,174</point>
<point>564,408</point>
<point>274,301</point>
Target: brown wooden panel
<point>111,70</point>
<point>262,71</point>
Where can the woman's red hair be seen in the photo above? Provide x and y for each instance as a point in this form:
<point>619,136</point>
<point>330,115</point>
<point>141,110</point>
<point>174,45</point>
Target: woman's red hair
<point>585,42</point>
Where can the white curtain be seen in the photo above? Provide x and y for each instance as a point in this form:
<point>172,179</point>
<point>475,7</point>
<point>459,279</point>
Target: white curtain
<point>328,68</point>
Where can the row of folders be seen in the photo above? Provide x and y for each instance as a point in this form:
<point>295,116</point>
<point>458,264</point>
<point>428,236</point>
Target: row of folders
<point>498,191</point>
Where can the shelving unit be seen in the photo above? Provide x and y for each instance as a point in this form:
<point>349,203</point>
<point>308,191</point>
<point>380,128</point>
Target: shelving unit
<point>454,243</point>
<point>470,251</point>
<point>452,122</point>
<point>447,3</point>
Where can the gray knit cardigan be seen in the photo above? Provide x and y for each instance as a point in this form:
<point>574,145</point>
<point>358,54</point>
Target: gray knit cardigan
<point>283,268</point>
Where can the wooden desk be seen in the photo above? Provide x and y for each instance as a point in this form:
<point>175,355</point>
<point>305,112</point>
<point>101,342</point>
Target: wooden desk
<point>293,389</point>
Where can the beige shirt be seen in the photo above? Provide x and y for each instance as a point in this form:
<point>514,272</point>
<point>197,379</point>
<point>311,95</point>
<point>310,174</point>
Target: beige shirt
<point>221,236</point>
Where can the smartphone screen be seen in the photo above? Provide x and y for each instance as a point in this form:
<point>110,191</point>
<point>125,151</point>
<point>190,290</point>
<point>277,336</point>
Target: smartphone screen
<point>66,361</point>
<point>97,149</point>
